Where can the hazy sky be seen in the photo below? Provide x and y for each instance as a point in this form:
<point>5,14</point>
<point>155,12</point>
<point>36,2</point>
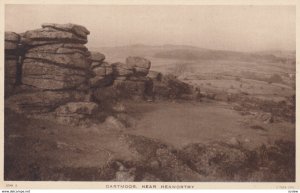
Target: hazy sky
<point>241,28</point>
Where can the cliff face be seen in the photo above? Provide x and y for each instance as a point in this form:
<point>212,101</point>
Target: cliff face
<point>49,72</point>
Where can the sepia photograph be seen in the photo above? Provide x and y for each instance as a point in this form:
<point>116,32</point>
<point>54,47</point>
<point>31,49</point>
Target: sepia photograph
<point>149,93</point>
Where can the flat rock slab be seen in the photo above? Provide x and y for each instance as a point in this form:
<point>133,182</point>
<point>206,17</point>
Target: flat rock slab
<point>74,28</point>
<point>46,34</point>
<point>48,76</point>
<point>60,49</point>
<point>75,60</point>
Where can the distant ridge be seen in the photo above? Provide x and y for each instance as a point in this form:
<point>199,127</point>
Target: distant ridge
<point>188,52</point>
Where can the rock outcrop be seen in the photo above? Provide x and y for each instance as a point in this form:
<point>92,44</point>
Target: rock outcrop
<point>55,68</point>
<point>50,71</point>
<point>11,62</point>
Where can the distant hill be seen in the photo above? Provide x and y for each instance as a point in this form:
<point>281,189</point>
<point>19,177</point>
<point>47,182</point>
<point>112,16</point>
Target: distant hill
<point>185,52</point>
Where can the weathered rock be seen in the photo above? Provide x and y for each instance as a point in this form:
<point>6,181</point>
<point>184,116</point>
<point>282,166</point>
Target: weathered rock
<point>10,68</point>
<point>169,167</point>
<point>129,88</point>
<point>50,34</point>
<point>10,45</point>
<point>97,57</point>
<point>41,102</point>
<point>138,78</point>
<point>140,65</point>
<point>48,76</point>
<point>119,107</point>
<point>82,108</point>
<point>121,78</point>
<point>155,75</point>
<point>120,69</point>
<point>74,28</point>
<point>140,71</point>
<point>138,62</point>
<point>60,49</point>
<point>75,46</point>
<point>32,43</point>
<point>75,60</point>
<point>105,95</point>
<point>113,123</point>
<point>12,36</point>
<point>95,64</point>
<point>10,56</point>
<point>108,69</point>
<point>99,71</point>
<point>100,81</point>
<point>215,159</point>
<point>170,87</point>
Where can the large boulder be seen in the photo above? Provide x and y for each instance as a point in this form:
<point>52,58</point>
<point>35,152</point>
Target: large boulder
<point>51,34</point>
<point>120,69</point>
<point>97,57</point>
<point>140,65</point>
<point>170,87</point>
<point>140,62</point>
<point>45,75</point>
<point>74,28</point>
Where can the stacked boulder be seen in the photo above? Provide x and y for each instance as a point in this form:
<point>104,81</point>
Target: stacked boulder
<point>55,69</point>
<point>11,62</point>
<point>131,78</point>
<point>101,71</point>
